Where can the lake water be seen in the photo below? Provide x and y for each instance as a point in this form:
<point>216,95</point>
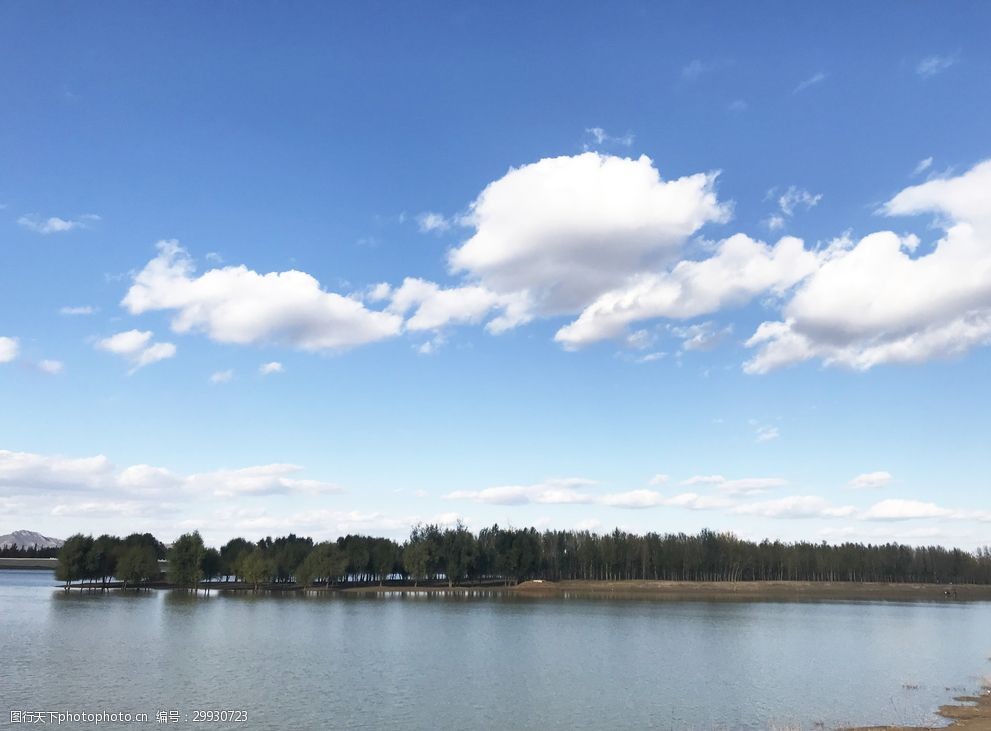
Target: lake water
<point>384,662</point>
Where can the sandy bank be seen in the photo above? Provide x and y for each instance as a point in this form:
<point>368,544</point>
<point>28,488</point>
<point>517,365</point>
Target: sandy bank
<point>753,590</point>
<point>969,713</point>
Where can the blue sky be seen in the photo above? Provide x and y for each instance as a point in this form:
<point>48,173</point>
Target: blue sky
<point>543,257</point>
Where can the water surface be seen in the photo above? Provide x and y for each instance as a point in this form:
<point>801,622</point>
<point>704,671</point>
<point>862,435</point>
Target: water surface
<point>496,662</point>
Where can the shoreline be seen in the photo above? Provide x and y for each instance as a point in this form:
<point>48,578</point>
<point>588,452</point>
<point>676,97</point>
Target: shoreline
<point>739,591</point>
<point>967,713</point>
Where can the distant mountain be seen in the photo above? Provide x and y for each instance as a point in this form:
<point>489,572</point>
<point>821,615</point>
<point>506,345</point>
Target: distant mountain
<point>29,539</point>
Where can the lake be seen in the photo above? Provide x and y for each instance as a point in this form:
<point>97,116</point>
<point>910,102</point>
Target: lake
<point>494,662</point>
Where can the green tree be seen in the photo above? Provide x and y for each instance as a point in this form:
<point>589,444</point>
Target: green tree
<point>185,560</point>
<point>256,568</point>
<point>325,561</point>
<point>416,560</point>
<point>231,554</point>
<point>72,558</point>
<point>136,564</point>
<point>210,564</point>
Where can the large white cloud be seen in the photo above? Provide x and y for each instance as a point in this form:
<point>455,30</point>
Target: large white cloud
<point>29,473</point>
<point>907,510</point>
<point>883,300</point>
<point>25,470</point>
<point>741,269</point>
<point>238,305</point>
<point>551,236</point>
<point>564,230</point>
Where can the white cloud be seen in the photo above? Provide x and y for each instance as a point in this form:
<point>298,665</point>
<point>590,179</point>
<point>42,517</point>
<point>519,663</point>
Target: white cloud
<point>9,348</point>
<point>238,305</point>
<point>870,480</point>
<point>694,501</point>
<point>221,376</point>
<point>28,473</point>
<point>740,486</point>
<point>136,347</point>
<point>99,508</point>
<point>271,479</point>
<point>740,269</point>
<point>905,510</point>
<point>767,433</point>
<point>701,336</point>
<point>378,292</point>
<point>659,479</point>
<point>788,203</point>
<point>816,78</point>
<point>82,310</point>
<point>882,300</point>
<point>923,166</point>
<point>600,137</point>
<point>697,68</point>
<point>559,232</point>
<point>934,64</point>
<point>51,367</point>
<point>635,499</point>
<point>54,224</point>
<point>797,506</point>
<point>431,346</point>
<point>435,307</point>
<point>794,197</point>
<point>267,369</point>
<point>552,491</point>
<point>430,221</point>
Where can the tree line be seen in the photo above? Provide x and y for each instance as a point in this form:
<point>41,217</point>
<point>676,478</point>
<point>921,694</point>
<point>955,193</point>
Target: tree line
<point>15,551</point>
<point>454,555</point>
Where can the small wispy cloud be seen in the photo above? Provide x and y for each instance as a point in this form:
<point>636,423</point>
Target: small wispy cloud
<point>221,376</point>
<point>702,336</point>
<point>767,433</point>
<point>923,166</point>
<point>597,136</point>
<point>55,224</point>
<point>51,367</point>
<point>429,221</point>
<point>738,105</point>
<point>935,64</point>
<point>81,310</point>
<point>871,480</point>
<point>816,78</point>
<point>267,369</point>
<point>788,203</point>
<point>697,68</point>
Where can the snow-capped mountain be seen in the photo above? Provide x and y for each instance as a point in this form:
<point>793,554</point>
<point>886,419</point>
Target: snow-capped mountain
<point>29,539</point>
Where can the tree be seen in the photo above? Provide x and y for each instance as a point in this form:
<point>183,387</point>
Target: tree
<point>137,563</point>
<point>256,568</point>
<point>458,552</point>
<point>210,564</point>
<point>231,554</point>
<point>325,561</point>
<point>185,560</point>
<point>416,559</point>
<point>72,559</point>
<point>101,560</point>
